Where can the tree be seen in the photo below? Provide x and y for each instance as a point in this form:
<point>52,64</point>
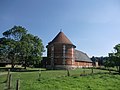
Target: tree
<point>10,42</point>
<point>31,49</point>
<point>7,48</point>
<point>19,46</point>
<point>117,54</point>
<point>15,33</point>
<point>109,62</point>
<point>3,52</point>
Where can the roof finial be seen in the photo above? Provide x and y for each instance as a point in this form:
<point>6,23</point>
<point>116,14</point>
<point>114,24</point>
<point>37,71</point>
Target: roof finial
<point>61,30</point>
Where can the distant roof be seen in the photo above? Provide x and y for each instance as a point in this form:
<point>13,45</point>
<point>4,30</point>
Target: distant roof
<point>80,56</point>
<point>61,38</point>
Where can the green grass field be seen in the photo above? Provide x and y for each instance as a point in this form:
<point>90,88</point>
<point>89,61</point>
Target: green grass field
<point>58,80</point>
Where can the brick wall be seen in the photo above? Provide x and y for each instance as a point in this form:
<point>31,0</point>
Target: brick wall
<point>58,55</point>
<point>83,64</point>
<point>55,53</point>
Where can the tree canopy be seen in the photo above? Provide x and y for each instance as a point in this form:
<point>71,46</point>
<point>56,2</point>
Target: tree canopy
<point>114,58</point>
<point>117,56</point>
<point>21,47</point>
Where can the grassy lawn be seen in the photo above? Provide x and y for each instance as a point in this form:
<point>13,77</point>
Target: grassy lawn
<point>58,80</point>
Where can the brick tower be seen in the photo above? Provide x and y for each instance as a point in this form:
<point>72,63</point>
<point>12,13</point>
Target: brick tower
<point>60,52</point>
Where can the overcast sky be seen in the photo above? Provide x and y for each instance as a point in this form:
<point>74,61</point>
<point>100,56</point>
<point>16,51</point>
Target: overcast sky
<point>92,25</point>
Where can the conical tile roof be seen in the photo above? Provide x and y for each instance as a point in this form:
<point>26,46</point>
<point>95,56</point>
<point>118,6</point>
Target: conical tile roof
<point>61,38</point>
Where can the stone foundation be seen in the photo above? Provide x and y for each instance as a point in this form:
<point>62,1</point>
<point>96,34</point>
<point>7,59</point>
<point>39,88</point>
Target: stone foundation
<point>64,67</point>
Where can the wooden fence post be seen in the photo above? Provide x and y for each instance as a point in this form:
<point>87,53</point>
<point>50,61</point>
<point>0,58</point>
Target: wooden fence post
<point>17,85</point>
<point>8,75</point>
<point>84,71</point>
<point>92,70</point>
<point>9,82</point>
<point>39,75</point>
<point>68,72</point>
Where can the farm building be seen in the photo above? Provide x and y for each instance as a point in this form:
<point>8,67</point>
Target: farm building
<point>61,54</point>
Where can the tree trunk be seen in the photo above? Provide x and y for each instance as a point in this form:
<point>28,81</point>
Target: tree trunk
<point>25,64</point>
<point>13,64</point>
<point>25,67</point>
